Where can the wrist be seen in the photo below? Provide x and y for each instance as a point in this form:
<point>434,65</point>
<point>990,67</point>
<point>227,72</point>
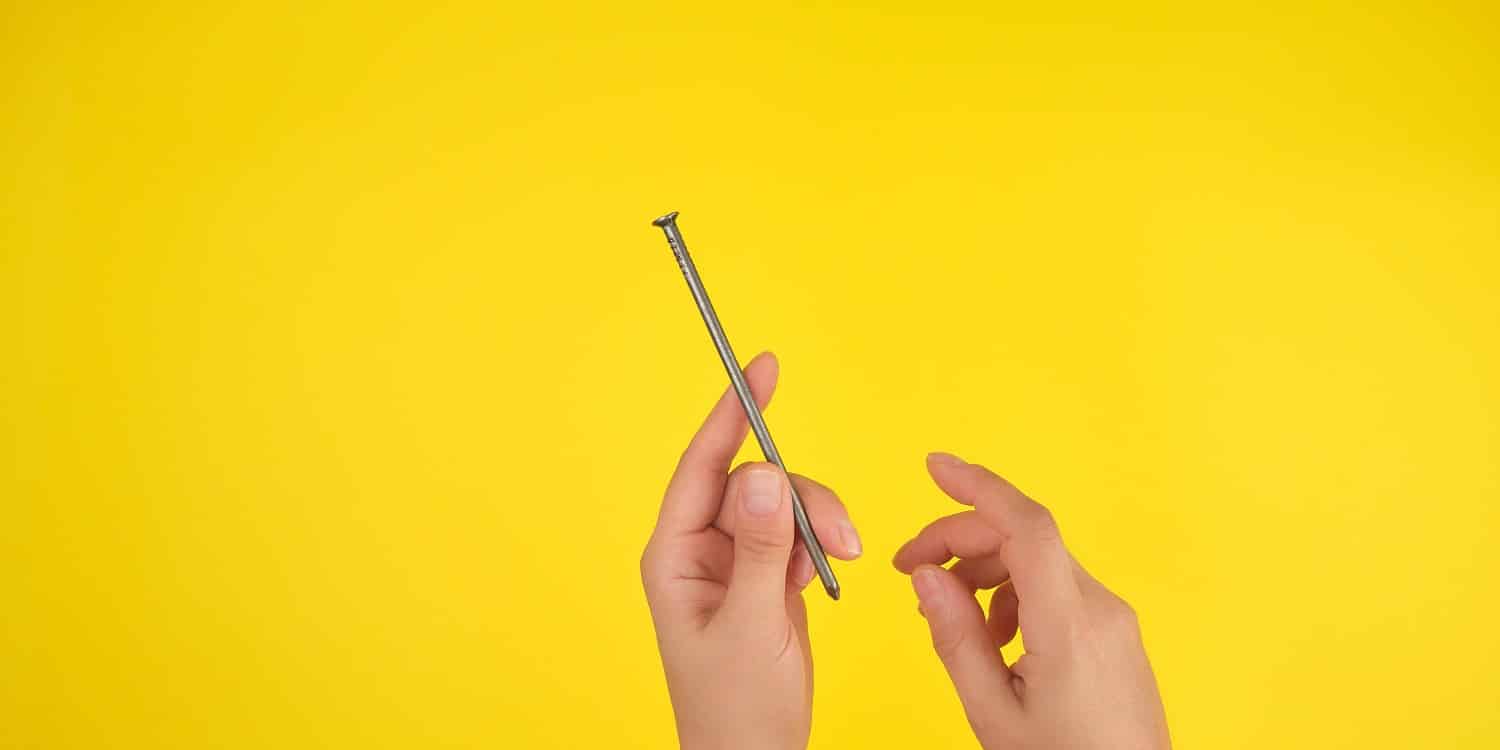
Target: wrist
<point>737,742</point>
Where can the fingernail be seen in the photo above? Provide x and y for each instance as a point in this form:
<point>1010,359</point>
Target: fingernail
<point>945,459</point>
<point>850,539</point>
<point>762,492</point>
<point>927,585</point>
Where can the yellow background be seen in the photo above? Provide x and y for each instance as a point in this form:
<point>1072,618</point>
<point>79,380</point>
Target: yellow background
<point>342,369</point>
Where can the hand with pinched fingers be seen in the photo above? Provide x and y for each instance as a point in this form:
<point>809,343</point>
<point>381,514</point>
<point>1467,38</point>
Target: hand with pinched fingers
<point>1084,682</point>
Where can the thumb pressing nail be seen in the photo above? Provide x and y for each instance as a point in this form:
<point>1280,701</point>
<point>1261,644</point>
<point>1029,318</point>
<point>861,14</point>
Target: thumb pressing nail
<point>762,492</point>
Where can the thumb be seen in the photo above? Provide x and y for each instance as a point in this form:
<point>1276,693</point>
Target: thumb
<point>965,645</point>
<point>763,539</point>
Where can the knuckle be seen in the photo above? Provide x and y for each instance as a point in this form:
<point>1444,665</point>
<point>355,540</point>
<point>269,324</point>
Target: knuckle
<point>760,545</point>
<point>1120,618</point>
<point>1041,523</point>
<point>651,564</point>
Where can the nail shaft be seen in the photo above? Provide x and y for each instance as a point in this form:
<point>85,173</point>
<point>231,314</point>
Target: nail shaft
<point>668,225</point>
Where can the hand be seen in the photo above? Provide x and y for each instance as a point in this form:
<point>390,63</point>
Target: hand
<point>724,575</point>
<point>1084,681</point>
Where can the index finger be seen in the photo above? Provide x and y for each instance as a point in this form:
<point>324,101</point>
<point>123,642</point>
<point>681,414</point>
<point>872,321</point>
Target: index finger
<point>1030,546</point>
<point>964,535</point>
<point>696,490</point>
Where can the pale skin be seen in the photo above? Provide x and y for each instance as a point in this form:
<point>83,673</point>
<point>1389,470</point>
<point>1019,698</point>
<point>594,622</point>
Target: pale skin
<point>724,577</point>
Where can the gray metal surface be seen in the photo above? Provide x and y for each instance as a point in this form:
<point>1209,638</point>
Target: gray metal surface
<point>668,224</point>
